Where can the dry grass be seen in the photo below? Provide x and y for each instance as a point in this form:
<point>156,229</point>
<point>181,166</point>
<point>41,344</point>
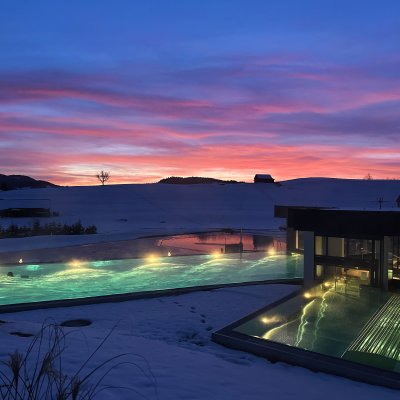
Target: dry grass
<point>39,374</point>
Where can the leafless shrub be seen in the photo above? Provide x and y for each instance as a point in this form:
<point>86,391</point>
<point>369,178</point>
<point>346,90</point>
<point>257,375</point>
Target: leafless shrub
<point>39,374</point>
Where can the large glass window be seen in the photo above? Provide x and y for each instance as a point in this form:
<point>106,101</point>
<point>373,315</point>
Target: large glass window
<point>299,240</point>
<point>335,247</point>
<point>320,245</point>
<point>377,251</point>
<point>359,247</point>
<point>319,272</point>
<point>343,279</point>
<point>394,257</point>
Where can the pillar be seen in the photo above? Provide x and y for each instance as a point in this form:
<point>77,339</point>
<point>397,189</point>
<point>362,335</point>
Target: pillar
<point>309,255</point>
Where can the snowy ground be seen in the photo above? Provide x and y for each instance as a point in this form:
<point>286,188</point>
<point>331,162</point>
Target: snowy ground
<point>169,338</point>
<point>171,335</point>
<point>123,212</point>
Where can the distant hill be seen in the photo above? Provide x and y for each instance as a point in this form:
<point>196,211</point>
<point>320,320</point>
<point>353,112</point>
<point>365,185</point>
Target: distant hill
<point>193,180</point>
<point>10,182</point>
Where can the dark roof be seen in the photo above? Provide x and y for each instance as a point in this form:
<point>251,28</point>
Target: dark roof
<point>345,223</point>
<point>263,176</point>
<point>281,211</point>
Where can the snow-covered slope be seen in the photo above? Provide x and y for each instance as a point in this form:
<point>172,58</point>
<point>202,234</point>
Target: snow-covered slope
<point>127,211</point>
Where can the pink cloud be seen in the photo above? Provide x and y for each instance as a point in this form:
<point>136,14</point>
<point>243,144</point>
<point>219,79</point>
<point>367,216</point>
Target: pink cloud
<point>236,162</point>
<point>236,122</point>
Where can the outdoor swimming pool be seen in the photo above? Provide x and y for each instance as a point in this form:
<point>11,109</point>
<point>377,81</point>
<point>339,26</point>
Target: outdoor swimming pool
<point>322,321</point>
<point>81,279</point>
<point>355,335</point>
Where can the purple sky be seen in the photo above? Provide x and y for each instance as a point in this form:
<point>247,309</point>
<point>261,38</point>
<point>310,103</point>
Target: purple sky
<point>215,88</point>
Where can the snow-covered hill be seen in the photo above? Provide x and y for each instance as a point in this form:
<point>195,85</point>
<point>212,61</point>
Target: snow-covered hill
<point>123,212</point>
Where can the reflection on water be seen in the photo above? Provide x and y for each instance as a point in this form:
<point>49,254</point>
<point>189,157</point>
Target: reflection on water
<point>223,242</point>
<point>187,244</point>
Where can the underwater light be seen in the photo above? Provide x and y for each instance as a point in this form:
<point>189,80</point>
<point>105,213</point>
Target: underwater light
<point>75,263</point>
<point>216,255</point>
<point>151,258</point>
<point>270,320</point>
<point>271,251</point>
<point>307,295</point>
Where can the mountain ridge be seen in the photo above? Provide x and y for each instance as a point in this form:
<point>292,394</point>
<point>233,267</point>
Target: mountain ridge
<point>193,180</point>
<point>11,182</point>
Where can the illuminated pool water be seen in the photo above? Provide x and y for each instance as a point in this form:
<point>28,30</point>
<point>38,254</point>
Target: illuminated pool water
<point>362,328</point>
<point>78,279</point>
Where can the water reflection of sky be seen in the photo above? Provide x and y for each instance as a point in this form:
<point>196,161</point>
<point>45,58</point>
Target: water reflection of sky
<point>216,241</point>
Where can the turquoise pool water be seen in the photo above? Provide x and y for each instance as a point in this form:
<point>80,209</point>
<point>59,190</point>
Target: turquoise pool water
<point>363,328</point>
<point>78,279</point>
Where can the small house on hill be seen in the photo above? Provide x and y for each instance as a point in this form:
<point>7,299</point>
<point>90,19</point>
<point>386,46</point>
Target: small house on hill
<point>263,178</point>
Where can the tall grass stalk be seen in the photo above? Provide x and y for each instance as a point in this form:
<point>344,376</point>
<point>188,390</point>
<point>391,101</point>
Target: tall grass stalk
<point>39,374</point>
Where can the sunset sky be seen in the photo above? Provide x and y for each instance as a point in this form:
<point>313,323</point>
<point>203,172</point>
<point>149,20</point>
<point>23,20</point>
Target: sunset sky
<point>220,88</point>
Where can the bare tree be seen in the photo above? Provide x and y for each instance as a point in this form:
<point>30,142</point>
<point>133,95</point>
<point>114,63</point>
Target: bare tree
<point>103,177</point>
<point>368,177</point>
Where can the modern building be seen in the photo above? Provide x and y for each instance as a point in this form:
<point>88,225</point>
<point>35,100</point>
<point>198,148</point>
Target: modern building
<point>345,320</point>
<point>348,247</point>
